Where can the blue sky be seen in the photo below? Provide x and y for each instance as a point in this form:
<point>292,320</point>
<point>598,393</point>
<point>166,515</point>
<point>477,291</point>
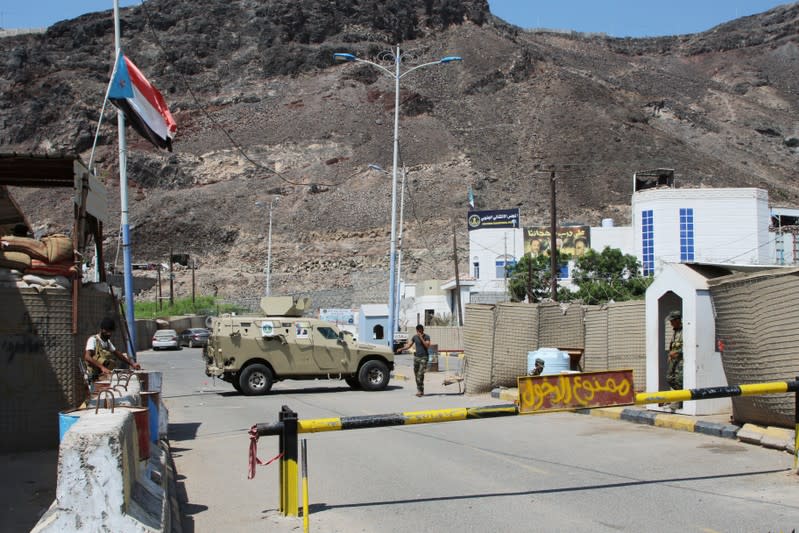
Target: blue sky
<point>619,18</point>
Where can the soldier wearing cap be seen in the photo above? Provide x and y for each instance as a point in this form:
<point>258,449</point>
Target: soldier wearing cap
<point>539,367</point>
<point>675,363</point>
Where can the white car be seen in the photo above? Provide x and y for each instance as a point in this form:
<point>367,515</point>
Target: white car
<point>166,339</point>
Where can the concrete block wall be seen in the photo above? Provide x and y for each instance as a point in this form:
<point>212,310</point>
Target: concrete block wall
<point>103,484</point>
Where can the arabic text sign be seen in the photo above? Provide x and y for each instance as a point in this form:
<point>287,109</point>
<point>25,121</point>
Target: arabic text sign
<point>575,391</point>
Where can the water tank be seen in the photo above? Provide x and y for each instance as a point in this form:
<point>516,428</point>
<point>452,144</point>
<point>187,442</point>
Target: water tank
<point>607,222</point>
<point>555,361</point>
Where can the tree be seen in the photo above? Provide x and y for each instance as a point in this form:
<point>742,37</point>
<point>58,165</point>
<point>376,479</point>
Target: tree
<point>530,278</point>
<point>609,275</point>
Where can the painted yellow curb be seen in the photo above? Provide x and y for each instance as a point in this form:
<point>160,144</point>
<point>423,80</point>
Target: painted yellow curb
<point>675,422</point>
<point>608,412</point>
<point>509,395</point>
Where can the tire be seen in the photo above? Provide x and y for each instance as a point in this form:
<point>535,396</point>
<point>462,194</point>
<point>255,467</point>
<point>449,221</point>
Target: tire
<point>353,382</point>
<point>255,380</point>
<point>237,386</point>
<point>191,343</point>
<point>374,375</point>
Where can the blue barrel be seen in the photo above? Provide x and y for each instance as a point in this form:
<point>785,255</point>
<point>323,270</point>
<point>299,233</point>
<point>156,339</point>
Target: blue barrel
<point>65,421</point>
<point>555,361</point>
<point>151,400</point>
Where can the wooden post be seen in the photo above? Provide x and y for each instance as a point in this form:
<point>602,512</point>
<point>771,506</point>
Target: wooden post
<point>553,243</point>
<point>171,279</point>
<point>192,280</point>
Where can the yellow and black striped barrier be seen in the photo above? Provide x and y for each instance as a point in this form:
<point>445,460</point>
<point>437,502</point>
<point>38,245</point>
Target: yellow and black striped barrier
<point>289,426</point>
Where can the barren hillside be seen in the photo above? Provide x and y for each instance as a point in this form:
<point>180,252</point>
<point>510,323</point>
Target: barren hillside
<point>263,109</point>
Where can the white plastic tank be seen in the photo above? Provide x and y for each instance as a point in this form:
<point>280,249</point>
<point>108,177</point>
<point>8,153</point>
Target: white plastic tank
<point>555,361</point>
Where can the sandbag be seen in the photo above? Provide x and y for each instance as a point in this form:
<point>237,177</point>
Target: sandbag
<point>41,268</point>
<point>32,247</point>
<point>59,248</point>
<point>17,260</point>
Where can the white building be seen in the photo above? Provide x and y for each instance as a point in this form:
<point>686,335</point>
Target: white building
<point>428,299</point>
<point>496,241</point>
<point>727,226</point>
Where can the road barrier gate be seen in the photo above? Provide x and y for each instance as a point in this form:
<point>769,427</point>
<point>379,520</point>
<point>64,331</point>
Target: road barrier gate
<point>289,426</point>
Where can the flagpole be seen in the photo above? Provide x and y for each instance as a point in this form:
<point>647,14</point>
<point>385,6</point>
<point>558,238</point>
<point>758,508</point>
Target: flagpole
<point>123,200</point>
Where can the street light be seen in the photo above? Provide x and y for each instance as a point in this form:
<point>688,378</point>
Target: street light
<point>268,270</point>
<point>399,236</point>
<point>396,56</point>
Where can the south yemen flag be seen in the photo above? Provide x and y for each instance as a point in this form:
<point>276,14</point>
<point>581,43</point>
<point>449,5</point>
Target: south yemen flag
<point>143,105</point>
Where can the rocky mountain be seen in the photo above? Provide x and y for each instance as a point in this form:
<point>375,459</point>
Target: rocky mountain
<point>263,109</point>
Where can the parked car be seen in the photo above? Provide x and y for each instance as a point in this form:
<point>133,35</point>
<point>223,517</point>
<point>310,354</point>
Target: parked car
<point>166,339</point>
<point>194,337</point>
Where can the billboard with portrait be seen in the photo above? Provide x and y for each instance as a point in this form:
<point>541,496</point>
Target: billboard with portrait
<point>572,240</point>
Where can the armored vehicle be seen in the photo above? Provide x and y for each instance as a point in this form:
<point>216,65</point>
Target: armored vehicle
<point>252,352</point>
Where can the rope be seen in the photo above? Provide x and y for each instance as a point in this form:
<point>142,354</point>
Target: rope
<point>253,459</point>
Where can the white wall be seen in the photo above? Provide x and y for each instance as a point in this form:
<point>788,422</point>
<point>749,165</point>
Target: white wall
<point>621,237</point>
<point>425,295</point>
<point>730,225</point>
<point>488,245</point>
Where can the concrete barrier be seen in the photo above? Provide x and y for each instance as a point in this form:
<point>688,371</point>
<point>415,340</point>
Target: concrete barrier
<point>103,485</point>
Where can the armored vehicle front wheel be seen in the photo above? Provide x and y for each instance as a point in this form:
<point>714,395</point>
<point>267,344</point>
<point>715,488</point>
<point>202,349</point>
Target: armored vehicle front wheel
<point>374,375</point>
<point>255,380</point>
<point>353,382</point>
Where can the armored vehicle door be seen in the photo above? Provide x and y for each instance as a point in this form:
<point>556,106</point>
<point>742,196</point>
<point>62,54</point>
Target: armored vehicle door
<point>328,350</point>
<point>302,347</point>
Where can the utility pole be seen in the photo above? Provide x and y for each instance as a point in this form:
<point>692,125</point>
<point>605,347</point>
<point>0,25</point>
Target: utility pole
<point>553,242</point>
<point>193,266</point>
<point>171,279</point>
<point>457,275</point>
<point>158,288</point>
<point>529,280</point>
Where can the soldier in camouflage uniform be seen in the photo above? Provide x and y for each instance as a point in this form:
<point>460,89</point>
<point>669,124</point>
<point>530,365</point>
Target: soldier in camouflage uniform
<point>101,355</point>
<point>674,373</point>
<point>421,342</point>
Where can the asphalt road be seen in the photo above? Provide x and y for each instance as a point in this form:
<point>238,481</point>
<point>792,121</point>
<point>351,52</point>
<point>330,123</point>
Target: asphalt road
<point>549,472</point>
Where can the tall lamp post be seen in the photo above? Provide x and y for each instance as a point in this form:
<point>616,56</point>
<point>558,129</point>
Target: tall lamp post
<point>399,237</point>
<point>396,56</point>
<point>268,269</point>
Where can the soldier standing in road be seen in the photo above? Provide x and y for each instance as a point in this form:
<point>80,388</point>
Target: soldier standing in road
<point>421,343</point>
<point>674,373</point>
<point>101,355</point>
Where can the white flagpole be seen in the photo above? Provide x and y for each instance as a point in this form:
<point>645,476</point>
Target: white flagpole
<point>123,200</point>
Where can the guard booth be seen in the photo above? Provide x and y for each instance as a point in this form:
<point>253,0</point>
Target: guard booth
<point>683,287</point>
<point>47,312</point>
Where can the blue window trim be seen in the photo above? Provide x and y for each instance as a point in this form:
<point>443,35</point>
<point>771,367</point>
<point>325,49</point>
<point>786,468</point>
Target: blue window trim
<point>687,234</point>
<point>648,241</point>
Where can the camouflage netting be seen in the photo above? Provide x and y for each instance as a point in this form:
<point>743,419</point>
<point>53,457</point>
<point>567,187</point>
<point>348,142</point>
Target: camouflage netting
<point>756,317</point>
